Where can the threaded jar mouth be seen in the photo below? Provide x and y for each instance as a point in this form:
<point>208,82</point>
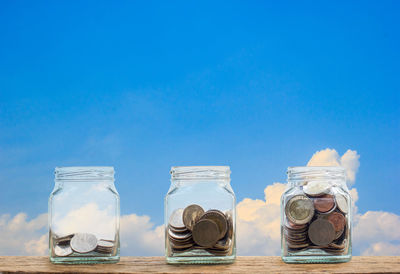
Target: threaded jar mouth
<point>310,173</point>
<point>200,172</point>
<point>84,173</point>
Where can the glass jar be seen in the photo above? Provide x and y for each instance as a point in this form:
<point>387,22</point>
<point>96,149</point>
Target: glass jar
<point>200,216</point>
<point>84,216</point>
<point>316,216</point>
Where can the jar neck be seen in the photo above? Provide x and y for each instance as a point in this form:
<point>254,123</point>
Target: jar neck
<point>299,175</point>
<point>103,174</point>
<point>198,174</point>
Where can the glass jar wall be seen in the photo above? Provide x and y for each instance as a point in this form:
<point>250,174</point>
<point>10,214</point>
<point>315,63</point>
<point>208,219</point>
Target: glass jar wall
<point>84,216</point>
<point>316,216</point>
<point>200,216</point>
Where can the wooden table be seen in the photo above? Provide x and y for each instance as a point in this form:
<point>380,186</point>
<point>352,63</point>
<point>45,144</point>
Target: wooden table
<point>249,265</point>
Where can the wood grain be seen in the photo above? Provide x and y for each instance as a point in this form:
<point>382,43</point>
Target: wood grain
<point>249,265</point>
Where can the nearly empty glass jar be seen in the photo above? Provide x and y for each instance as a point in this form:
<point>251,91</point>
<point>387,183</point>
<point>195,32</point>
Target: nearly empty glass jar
<point>84,216</point>
<point>200,216</point>
<point>316,216</point>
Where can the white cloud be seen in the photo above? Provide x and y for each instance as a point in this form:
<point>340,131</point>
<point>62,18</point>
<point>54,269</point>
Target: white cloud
<point>258,223</point>
<point>382,249</point>
<point>374,231</point>
<point>87,218</point>
<point>139,236</point>
<point>330,157</point>
<point>19,235</point>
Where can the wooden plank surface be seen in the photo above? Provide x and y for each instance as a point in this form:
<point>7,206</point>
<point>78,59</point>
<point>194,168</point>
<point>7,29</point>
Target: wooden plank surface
<point>249,265</point>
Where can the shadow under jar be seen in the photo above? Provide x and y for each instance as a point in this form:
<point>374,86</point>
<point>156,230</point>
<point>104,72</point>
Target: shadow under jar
<point>316,216</point>
<point>200,216</point>
<point>84,216</point>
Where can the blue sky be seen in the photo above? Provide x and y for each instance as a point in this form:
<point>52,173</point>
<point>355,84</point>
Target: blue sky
<point>145,86</point>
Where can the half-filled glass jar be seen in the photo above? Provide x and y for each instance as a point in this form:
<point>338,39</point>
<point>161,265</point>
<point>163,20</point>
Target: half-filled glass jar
<point>84,215</point>
<point>200,216</point>
<point>316,216</point>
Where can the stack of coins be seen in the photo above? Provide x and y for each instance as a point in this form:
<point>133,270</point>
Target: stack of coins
<point>81,243</point>
<point>193,228</point>
<point>316,219</point>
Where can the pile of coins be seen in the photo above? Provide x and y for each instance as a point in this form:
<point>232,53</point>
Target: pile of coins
<point>193,228</point>
<point>81,243</point>
<point>316,219</point>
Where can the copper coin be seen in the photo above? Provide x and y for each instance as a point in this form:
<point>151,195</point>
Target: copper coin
<point>293,226</point>
<point>219,218</point>
<point>338,221</point>
<point>191,215</point>
<point>324,203</point>
<point>321,232</point>
<point>206,233</point>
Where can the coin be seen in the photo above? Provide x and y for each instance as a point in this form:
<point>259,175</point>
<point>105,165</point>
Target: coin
<point>299,209</point>
<point>206,233</point>
<point>229,217</point>
<point>341,202</point>
<point>219,218</point>
<point>62,250</point>
<point>316,188</point>
<point>178,236</point>
<point>324,203</point>
<point>321,232</point>
<point>64,240</point>
<point>176,219</point>
<point>338,234</point>
<point>83,242</point>
<point>338,220</point>
<point>292,226</point>
<point>223,244</point>
<point>191,215</point>
<point>178,230</point>
<point>105,243</point>
<point>181,246</point>
<point>180,250</point>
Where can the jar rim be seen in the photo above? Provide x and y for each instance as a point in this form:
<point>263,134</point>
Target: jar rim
<point>200,172</point>
<point>299,173</point>
<point>302,168</point>
<point>84,173</point>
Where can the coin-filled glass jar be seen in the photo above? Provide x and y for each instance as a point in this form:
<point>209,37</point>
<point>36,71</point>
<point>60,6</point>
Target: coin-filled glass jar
<point>316,216</point>
<point>200,216</point>
<point>84,216</point>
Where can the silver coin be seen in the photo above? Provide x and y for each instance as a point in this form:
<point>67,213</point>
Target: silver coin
<point>191,215</point>
<point>341,202</point>
<point>317,188</point>
<point>105,244</point>
<point>299,209</point>
<point>62,250</point>
<point>177,236</point>
<point>83,242</point>
<point>178,230</point>
<point>176,219</point>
